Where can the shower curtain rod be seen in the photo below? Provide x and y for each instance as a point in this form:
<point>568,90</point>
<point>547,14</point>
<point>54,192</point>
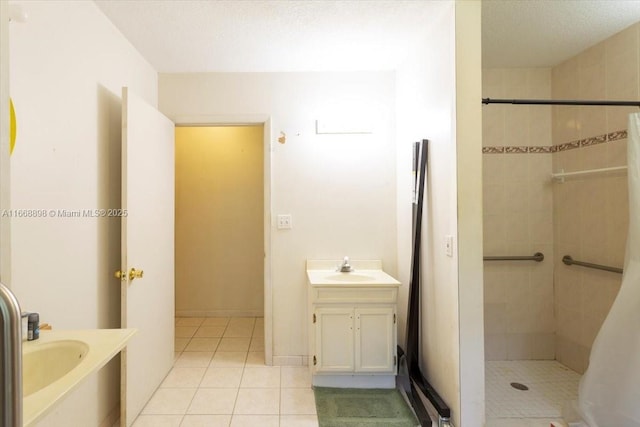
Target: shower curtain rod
<point>561,102</point>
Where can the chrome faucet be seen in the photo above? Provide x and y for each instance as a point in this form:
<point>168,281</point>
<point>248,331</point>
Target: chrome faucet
<point>10,359</point>
<point>345,267</point>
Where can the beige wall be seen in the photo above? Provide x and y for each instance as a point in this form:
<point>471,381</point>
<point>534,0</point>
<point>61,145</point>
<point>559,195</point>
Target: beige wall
<point>219,221</point>
<point>591,213</point>
<point>68,64</point>
<point>518,216</point>
<point>339,188</point>
<point>5,222</point>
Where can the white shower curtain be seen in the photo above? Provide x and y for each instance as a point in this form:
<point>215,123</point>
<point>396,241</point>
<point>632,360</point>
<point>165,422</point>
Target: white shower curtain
<point>609,394</point>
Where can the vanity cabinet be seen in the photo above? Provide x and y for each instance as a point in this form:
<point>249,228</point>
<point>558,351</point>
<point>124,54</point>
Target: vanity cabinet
<point>353,335</point>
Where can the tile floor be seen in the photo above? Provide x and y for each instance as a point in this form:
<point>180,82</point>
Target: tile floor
<point>551,386</point>
<point>219,379</point>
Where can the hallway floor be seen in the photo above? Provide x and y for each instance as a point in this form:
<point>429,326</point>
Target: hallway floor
<point>219,379</point>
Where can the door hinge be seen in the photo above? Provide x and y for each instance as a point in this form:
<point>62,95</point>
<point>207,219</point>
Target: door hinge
<point>314,318</point>
<point>315,361</point>
<point>395,361</point>
<point>394,318</point>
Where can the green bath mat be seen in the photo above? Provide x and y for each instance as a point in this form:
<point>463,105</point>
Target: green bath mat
<point>357,407</point>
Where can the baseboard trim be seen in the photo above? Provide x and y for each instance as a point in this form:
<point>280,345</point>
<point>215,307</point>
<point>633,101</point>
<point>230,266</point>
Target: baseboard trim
<point>290,361</point>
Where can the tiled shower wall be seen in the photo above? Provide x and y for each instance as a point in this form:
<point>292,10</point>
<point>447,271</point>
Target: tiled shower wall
<point>547,310</point>
<point>518,212</point>
<point>591,214</point>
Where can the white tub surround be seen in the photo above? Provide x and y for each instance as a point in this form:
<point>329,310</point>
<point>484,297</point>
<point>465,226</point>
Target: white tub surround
<point>96,348</point>
<point>352,325</point>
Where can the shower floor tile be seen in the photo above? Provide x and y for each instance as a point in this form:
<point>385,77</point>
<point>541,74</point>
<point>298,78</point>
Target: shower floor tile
<point>551,385</point>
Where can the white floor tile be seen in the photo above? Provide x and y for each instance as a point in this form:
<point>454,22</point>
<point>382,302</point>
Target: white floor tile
<point>255,358</point>
<point>257,344</point>
<point>229,359</point>
<point>194,359</point>
<point>215,321</point>
<point>234,344</point>
<point>242,321</point>
<point>167,401</point>
<point>210,332</point>
<point>158,421</point>
<point>185,331</point>
<point>206,421</point>
<point>297,401</point>
<point>183,378</point>
<point>262,377</point>
<point>189,321</point>
<point>238,331</point>
<point>181,343</point>
<point>213,401</point>
<point>240,327</point>
<point>258,329</point>
<point>222,377</point>
<point>295,377</point>
<point>202,344</point>
<point>258,401</point>
<point>254,421</point>
<point>298,421</point>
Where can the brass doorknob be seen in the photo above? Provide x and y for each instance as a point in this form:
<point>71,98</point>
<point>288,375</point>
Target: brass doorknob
<point>120,275</point>
<point>135,274</point>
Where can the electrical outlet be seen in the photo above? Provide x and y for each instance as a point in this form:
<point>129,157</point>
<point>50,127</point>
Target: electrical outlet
<point>284,222</point>
<point>448,245</point>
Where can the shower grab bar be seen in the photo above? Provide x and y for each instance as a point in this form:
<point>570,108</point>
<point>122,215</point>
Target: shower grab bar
<point>538,257</point>
<point>570,261</point>
<point>561,175</point>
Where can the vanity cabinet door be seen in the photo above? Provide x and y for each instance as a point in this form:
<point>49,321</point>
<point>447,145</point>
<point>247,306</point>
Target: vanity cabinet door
<point>375,339</point>
<point>334,339</point>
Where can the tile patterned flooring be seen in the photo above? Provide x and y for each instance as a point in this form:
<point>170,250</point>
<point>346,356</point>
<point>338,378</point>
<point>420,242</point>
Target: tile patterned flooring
<point>219,379</point>
<point>551,386</point>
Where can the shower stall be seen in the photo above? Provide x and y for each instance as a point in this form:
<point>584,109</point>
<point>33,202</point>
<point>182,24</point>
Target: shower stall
<point>554,187</point>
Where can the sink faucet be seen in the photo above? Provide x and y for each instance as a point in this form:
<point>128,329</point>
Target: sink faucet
<point>10,359</point>
<point>345,267</point>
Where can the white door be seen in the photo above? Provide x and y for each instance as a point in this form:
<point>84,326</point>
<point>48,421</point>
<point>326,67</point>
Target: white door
<point>375,339</point>
<point>334,339</point>
<point>147,251</point>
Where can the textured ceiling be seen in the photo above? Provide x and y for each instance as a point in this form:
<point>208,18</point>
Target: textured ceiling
<point>334,35</point>
<point>238,36</point>
<point>543,33</point>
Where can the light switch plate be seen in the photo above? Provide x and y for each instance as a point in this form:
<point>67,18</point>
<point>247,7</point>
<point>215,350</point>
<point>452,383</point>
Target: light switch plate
<point>448,245</point>
<point>284,221</point>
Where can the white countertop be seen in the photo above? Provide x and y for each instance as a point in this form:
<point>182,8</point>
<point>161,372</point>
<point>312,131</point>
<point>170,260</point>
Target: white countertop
<point>103,344</point>
<point>365,273</point>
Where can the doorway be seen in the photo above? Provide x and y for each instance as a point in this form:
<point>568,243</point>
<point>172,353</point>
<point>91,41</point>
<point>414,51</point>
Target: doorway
<point>222,228</point>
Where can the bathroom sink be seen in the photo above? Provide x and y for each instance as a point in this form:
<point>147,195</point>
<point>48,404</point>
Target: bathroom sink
<point>49,362</point>
<point>366,273</point>
<point>60,361</point>
<point>351,277</point>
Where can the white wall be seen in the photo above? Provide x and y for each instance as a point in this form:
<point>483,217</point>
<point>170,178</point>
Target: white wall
<point>68,63</point>
<point>339,189</point>
<point>5,222</point>
<point>438,98</point>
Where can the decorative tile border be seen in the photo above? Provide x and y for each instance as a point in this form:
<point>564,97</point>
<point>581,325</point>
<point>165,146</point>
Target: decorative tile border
<point>600,139</point>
